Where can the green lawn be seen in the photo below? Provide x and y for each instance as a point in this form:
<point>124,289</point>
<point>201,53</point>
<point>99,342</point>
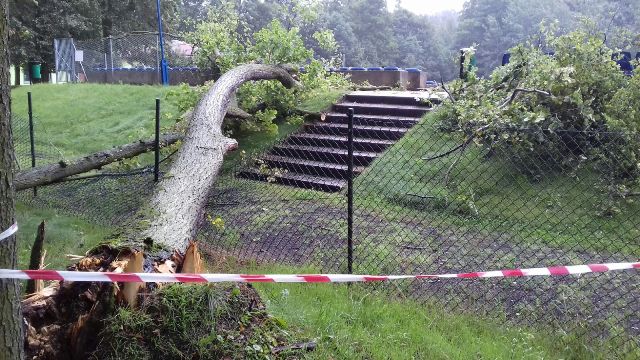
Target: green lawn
<point>321,100</point>
<point>490,194</point>
<point>353,322</point>
<point>80,119</point>
<point>63,235</point>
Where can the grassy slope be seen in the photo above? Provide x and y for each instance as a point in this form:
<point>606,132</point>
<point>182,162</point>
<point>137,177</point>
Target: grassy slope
<point>63,235</point>
<point>321,101</point>
<point>559,210</point>
<point>82,119</point>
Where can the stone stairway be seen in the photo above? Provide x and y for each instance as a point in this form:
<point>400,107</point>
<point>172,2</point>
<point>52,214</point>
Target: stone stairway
<point>316,156</point>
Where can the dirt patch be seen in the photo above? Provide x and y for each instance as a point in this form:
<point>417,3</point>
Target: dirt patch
<point>312,232</point>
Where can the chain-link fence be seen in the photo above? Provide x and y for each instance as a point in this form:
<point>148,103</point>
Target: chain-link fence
<point>106,196</point>
<point>427,199</point>
<point>130,58</point>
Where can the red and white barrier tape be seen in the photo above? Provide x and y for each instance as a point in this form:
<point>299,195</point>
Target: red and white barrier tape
<point>326,278</point>
<point>10,231</point>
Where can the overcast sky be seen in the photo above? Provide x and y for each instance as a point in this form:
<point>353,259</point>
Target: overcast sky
<point>429,7</point>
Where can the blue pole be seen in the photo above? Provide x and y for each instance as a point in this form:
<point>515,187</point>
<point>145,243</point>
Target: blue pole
<point>163,63</point>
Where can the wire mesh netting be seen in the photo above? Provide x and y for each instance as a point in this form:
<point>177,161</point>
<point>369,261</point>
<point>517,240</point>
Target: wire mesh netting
<point>124,55</point>
<point>106,196</point>
<point>426,200</point>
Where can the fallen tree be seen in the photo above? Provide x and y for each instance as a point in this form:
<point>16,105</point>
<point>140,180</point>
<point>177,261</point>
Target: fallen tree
<point>49,174</point>
<point>180,197</point>
<point>156,239</point>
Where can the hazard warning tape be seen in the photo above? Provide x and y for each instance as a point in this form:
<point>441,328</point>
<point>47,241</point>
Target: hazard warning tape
<point>10,231</point>
<point>281,278</point>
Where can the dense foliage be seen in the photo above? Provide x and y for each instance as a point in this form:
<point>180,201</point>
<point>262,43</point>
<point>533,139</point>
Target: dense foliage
<point>224,41</point>
<point>34,24</point>
<point>367,32</point>
<point>497,25</point>
<point>570,109</point>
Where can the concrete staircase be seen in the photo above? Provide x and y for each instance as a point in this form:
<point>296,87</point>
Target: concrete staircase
<point>316,157</point>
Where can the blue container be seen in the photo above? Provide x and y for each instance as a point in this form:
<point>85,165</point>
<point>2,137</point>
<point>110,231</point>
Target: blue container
<point>391,68</point>
<point>375,69</point>
<point>357,69</point>
<point>506,58</point>
<point>413,70</point>
<point>343,69</point>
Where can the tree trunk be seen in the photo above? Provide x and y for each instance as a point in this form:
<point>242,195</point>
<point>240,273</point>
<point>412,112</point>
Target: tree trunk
<point>168,220</point>
<point>180,198</point>
<point>11,336</point>
<point>49,174</point>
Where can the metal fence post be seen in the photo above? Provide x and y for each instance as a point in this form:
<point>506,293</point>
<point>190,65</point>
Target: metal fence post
<point>350,193</point>
<point>32,137</point>
<point>111,56</point>
<point>156,169</point>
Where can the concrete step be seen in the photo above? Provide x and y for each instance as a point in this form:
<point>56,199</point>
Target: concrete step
<point>309,167</point>
<point>385,98</point>
<point>359,131</point>
<point>373,120</point>
<point>381,109</point>
<point>326,154</point>
<point>297,180</point>
<point>341,142</point>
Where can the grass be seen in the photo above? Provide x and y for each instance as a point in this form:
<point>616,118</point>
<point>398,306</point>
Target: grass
<point>322,100</point>
<point>63,235</point>
<point>358,323</point>
<point>492,195</point>
<point>80,119</point>
<point>83,118</point>
<point>219,321</point>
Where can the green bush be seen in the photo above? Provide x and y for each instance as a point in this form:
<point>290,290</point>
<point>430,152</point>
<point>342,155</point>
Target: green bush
<point>548,113</point>
<point>223,43</point>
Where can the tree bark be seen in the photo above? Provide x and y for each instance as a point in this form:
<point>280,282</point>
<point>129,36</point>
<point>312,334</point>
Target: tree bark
<point>11,334</point>
<point>36,258</point>
<point>178,202</point>
<point>168,220</point>
<point>49,174</point>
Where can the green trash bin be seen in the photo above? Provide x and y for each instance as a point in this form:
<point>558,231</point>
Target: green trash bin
<point>35,72</point>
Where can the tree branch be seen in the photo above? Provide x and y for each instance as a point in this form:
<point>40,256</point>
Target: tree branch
<point>444,87</point>
<point>517,91</point>
<point>49,174</point>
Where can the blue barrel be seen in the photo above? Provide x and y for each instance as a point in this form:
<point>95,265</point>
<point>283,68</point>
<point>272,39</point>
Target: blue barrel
<point>391,68</point>
<point>506,58</point>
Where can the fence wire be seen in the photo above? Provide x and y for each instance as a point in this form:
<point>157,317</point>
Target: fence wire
<point>475,209</point>
<point>420,208</point>
<point>106,196</point>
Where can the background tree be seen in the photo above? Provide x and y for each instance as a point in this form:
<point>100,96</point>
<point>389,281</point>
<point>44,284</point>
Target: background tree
<point>11,336</point>
<point>35,24</point>
<point>497,25</point>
